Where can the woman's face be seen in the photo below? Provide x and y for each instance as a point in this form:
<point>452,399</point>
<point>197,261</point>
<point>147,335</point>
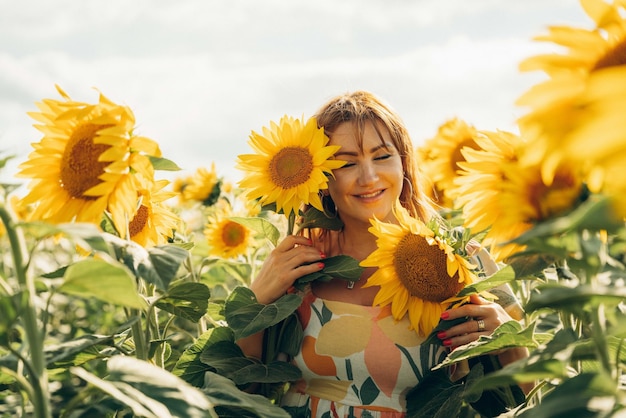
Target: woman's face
<point>371,181</point>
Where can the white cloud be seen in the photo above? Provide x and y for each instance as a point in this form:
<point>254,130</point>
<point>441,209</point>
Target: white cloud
<point>200,75</point>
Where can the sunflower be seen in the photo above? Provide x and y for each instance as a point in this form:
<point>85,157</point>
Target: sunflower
<point>153,223</point>
<point>441,154</point>
<point>480,184</point>
<point>227,238</point>
<point>418,271</point>
<point>203,186</point>
<point>89,161</point>
<point>576,114</point>
<point>508,196</point>
<point>291,165</point>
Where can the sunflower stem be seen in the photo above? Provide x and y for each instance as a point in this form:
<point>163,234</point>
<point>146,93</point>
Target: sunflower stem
<point>291,222</point>
<point>37,365</point>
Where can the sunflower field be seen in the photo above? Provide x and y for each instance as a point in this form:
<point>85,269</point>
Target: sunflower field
<point>123,294</point>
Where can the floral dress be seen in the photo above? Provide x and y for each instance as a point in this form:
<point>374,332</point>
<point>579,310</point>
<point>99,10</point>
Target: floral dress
<point>356,361</point>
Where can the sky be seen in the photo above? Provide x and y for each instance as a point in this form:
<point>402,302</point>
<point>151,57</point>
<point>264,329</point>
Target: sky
<point>200,75</point>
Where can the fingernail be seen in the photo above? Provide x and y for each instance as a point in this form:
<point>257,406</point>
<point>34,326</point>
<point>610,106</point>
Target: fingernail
<point>441,335</point>
<point>320,265</point>
<point>447,343</point>
<point>445,315</point>
<point>322,255</point>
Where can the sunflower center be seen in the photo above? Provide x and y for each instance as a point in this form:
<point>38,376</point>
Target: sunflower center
<point>233,234</point>
<point>291,167</point>
<point>613,58</point>
<point>80,168</point>
<point>140,220</point>
<point>422,269</point>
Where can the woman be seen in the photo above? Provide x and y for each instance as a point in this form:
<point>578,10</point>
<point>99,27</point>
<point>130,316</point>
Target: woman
<point>354,357</point>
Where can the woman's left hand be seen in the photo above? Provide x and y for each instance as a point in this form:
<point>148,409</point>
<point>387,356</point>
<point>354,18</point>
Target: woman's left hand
<point>483,318</point>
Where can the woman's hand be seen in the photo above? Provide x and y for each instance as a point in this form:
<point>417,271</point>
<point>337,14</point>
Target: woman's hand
<point>291,259</point>
<point>483,318</point>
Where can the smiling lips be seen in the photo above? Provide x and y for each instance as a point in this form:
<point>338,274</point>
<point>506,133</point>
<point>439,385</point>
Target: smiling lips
<point>370,195</point>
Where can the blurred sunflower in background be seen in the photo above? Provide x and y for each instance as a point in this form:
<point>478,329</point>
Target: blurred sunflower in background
<point>88,162</point>
<point>154,223</point>
<point>417,270</point>
<point>227,238</point>
<point>502,193</point>
<point>202,186</point>
<point>577,113</point>
<point>439,158</point>
<point>291,165</point>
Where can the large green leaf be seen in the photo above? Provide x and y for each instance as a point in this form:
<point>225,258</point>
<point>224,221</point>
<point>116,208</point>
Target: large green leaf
<point>261,226</point>
<point>188,300</point>
<point>229,401</point>
<point>189,366</point>
<point>149,390</point>
<point>508,335</point>
<point>247,317</point>
<point>227,359</point>
<point>104,281</point>
<point>502,276</point>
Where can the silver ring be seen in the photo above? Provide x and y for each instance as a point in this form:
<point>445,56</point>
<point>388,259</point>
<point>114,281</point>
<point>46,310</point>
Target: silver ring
<point>481,325</point>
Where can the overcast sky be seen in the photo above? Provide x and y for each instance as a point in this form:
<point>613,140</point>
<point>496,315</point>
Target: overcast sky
<point>201,74</point>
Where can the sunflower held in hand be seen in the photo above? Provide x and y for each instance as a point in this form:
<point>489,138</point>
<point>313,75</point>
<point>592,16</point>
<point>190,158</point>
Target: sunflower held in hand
<point>419,273</point>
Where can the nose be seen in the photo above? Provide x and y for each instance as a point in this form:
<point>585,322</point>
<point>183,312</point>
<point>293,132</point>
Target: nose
<point>368,174</point>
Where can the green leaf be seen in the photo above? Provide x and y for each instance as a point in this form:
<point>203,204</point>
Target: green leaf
<point>87,235</point>
<point>502,276</point>
<point>246,316</point>
<point>574,299</point>
<point>104,281</point>
<point>229,401</point>
<point>10,311</point>
<point>157,265</point>
<point>227,359</point>
<point>160,163</point>
<point>76,351</point>
<point>587,395</point>
<point>313,218</point>
<point>508,335</point>
<point>188,300</point>
<point>149,390</point>
<point>337,267</point>
<point>260,226</point>
<point>189,366</point>
<point>596,213</point>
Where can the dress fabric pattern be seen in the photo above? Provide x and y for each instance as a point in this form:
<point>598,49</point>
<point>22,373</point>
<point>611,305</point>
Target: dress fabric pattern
<point>356,361</point>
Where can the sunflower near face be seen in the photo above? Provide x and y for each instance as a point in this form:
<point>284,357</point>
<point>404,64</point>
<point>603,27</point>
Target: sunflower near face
<point>577,113</point>
<point>440,155</point>
<point>417,270</point>
<point>291,164</point>
<point>89,161</point>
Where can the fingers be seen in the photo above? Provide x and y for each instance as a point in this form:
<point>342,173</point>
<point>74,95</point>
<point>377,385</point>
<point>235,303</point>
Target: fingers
<point>292,258</point>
